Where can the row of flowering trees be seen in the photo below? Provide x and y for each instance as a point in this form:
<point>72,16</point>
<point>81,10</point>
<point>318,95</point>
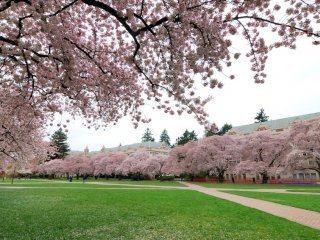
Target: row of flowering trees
<point>264,153</point>
<point>138,165</point>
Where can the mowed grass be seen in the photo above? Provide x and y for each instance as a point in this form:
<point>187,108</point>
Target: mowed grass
<point>50,213</point>
<point>308,190</point>
<point>67,185</point>
<point>309,202</point>
<point>145,182</point>
<point>259,186</point>
<point>92,180</point>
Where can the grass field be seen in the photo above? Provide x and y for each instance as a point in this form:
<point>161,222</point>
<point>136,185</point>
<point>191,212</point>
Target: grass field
<point>258,186</point>
<point>308,190</point>
<point>92,180</point>
<point>309,202</point>
<point>52,213</point>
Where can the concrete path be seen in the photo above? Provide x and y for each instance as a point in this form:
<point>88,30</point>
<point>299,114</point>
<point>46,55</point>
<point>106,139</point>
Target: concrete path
<point>267,191</point>
<point>301,216</point>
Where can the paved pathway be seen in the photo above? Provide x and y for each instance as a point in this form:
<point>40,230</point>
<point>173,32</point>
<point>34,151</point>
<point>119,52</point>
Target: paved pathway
<point>268,191</point>
<point>301,216</point>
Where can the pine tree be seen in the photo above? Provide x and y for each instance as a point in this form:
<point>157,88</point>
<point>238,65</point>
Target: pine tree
<point>224,129</point>
<point>261,116</point>
<point>164,137</point>
<point>59,141</point>
<point>147,136</point>
<point>186,137</point>
<point>103,149</point>
<point>86,151</point>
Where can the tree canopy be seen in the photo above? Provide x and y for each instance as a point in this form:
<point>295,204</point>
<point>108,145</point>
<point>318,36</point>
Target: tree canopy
<point>104,59</point>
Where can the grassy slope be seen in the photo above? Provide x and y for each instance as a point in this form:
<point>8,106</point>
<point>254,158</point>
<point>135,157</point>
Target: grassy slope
<point>258,186</point>
<point>309,202</point>
<point>135,214</point>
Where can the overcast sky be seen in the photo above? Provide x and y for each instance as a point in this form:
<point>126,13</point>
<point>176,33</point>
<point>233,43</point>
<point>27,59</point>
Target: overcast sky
<point>292,88</point>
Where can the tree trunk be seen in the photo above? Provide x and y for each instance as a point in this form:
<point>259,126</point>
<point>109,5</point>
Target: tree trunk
<point>265,178</point>
<point>14,171</point>
<point>220,177</point>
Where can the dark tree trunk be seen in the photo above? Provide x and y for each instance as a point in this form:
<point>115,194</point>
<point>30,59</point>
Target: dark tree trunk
<point>265,178</point>
<point>14,171</point>
<point>221,177</point>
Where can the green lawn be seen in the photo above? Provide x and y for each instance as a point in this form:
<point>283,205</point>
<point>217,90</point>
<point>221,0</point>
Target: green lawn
<point>258,186</point>
<point>146,182</point>
<point>309,190</point>
<point>51,213</point>
<point>67,185</point>
<point>92,180</point>
<point>309,202</point>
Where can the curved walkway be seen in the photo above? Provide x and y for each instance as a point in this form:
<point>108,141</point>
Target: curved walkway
<point>301,216</point>
<point>268,191</point>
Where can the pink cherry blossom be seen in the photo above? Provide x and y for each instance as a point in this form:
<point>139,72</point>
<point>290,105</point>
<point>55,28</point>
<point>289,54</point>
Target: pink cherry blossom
<point>100,58</point>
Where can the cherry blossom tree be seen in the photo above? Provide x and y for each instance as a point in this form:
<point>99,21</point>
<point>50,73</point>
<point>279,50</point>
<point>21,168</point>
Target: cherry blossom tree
<point>114,160</point>
<point>217,154</point>
<point>105,163</point>
<point>158,163</point>
<point>305,143</point>
<point>138,165</point>
<point>263,153</point>
<point>78,165</point>
<point>99,162</point>
<point>52,168</point>
<point>103,59</point>
<point>184,160</point>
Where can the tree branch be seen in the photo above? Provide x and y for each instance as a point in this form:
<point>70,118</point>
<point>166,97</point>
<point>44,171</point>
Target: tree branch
<point>7,40</point>
<point>273,23</point>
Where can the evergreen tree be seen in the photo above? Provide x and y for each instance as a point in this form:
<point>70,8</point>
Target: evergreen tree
<point>103,149</point>
<point>224,129</point>
<point>186,137</point>
<point>147,136</point>
<point>211,130</point>
<point>261,116</point>
<point>164,137</point>
<point>214,130</point>
<point>86,151</point>
<point>59,141</point>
